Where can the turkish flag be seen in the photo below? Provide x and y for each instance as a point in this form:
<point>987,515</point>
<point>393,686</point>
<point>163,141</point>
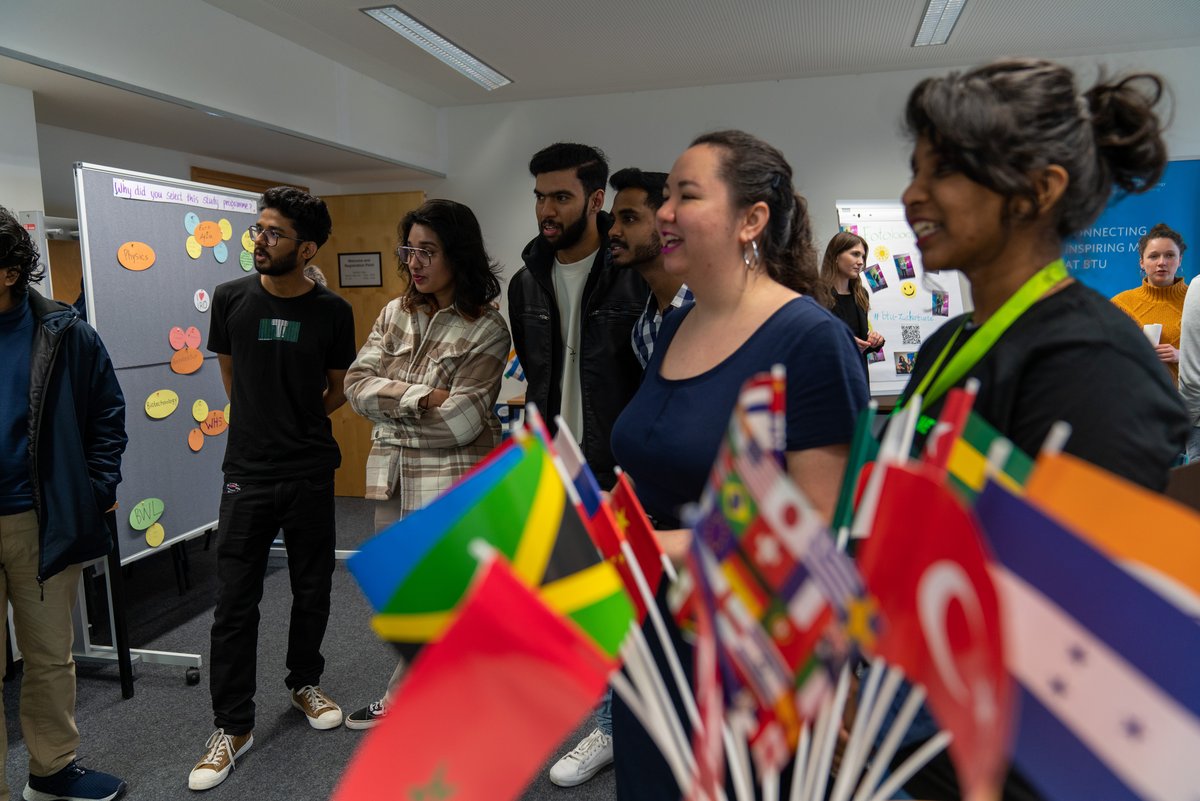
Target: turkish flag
<point>925,564</point>
<point>482,708</point>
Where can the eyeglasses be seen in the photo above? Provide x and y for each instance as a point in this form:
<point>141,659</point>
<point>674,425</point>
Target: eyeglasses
<point>409,255</point>
<point>271,236</point>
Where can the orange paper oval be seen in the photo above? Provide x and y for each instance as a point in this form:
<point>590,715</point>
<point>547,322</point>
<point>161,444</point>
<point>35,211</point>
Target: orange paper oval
<point>214,424</point>
<point>207,233</point>
<point>195,439</point>
<point>187,361</point>
<point>135,256</point>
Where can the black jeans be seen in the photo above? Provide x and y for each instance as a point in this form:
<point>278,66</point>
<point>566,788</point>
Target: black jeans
<point>251,516</point>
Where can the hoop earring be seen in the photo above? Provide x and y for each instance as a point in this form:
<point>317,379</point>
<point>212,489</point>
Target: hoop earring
<point>750,259</point>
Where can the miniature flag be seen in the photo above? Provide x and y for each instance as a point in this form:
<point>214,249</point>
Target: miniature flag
<point>1109,701</point>
<point>577,470</point>
<point>482,709</point>
<point>514,369</point>
<point>929,574</point>
<point>940,442</point>
<point>1155,537</point>
<point>863,448</point>
<point>635,526</point>
<point>967,466</point>
<point>707,744</point>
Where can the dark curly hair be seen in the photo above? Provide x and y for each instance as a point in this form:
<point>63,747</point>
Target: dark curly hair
<point>308,214</point>
<point>998,123</point>
<point>652,183</point>
<point>757,171</point>
<point>590,163</point>
<point>475,275</point>
<point>17,252</point>
<point>1161,231</point>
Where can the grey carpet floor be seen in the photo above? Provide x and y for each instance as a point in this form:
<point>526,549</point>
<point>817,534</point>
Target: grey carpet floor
<point>153,739</point>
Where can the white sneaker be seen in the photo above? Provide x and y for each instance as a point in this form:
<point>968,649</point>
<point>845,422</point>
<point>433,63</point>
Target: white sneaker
<point>584,760</point>
<point>318,708</point>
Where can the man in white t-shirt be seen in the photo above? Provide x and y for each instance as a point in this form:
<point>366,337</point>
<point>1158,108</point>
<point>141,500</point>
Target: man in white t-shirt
<point>571,311</point>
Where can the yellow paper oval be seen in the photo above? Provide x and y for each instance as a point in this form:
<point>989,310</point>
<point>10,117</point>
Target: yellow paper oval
<point>161,403</point>
<point>193,247</point>
<point>145,513</point>
<point>199,410</point>
<point>208,233</point>
<point>187,361</point>
<point>195,440</point>
<point>247,242</point>
<point>155,535</point>
<point>135,256</point>
<point>214,424</point>
<point>226,229</point>
<point>228,419</point>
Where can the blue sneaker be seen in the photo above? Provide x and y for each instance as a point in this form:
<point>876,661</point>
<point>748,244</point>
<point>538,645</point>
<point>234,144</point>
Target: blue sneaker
<point>74,783</point>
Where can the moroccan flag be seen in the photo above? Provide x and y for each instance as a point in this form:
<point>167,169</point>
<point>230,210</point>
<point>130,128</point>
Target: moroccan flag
<point>635,525</point>
<point>967,466</point>
<point>415,572</point>
<point>481,709</point>
<point>1155,537</point>
<point>928,572</point>
<point>1109,701</point>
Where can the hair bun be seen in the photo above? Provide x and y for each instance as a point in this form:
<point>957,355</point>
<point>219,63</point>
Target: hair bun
<point>1128,132</point>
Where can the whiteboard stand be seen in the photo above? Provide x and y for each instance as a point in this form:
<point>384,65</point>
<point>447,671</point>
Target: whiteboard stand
<point>87,652</point>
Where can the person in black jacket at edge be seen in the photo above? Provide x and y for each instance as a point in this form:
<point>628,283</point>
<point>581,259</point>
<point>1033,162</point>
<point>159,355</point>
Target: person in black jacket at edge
<point>571,311</point>
<point>62,433</point>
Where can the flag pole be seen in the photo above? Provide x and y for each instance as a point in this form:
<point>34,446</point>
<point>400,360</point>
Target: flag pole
<point>820,768</point>
<point>891,742</point>
<point>799,766</point>
<point>919,759</point>
<point>1056,438</point>
<point>857,743</point>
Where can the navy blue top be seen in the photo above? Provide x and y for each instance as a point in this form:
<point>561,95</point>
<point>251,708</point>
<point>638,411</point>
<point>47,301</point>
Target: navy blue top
<point>16,343</point>
<point>668,436</point>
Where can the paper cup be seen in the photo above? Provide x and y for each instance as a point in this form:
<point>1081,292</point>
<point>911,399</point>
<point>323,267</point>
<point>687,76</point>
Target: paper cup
<point>1153,332</point>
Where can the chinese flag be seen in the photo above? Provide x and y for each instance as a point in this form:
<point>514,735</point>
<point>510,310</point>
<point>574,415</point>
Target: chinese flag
<point>485,706</point>
<point>632,520</point>
<point>926,566</point>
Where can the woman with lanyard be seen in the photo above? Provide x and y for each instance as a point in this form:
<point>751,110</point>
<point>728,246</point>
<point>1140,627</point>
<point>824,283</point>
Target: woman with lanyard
<point>1009,160</point>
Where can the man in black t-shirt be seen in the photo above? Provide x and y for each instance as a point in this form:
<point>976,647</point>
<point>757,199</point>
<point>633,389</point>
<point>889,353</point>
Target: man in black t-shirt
<point>283,343</point>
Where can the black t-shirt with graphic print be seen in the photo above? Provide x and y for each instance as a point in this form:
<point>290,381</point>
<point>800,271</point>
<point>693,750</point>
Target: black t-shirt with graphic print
<point>281,349</point>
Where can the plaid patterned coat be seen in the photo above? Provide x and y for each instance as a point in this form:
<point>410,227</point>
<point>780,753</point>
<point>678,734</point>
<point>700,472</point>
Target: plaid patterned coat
<point>418,452</point>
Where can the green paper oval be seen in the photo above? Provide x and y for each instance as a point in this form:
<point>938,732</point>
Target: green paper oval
<point>145,513</point>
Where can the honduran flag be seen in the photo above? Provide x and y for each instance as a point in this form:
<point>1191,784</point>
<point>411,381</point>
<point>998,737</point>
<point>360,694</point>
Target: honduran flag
<point>1109,701</point>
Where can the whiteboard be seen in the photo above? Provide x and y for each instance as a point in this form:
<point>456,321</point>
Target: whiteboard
<point>903,309</point>
<point>134,311</point>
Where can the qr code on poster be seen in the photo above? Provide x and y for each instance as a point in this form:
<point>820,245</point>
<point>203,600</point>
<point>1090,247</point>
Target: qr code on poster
<point>910,335</point>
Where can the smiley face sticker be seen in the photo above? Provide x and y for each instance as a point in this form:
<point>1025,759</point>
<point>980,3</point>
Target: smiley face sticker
<point>908,289</point>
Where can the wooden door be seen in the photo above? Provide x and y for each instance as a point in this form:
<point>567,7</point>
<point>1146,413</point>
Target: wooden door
<point>362,224</point>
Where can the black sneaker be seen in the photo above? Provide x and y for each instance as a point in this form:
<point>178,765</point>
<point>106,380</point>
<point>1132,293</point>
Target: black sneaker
<point>367,717</point>
<point>74,783</point>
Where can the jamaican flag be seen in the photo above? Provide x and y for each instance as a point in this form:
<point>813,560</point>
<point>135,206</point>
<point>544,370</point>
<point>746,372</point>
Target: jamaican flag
<point>415,572</point>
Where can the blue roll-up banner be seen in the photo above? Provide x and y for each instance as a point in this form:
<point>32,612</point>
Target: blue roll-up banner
<point>1105,255</point>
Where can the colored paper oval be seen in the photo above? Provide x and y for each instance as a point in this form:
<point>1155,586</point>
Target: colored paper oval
<point>199,410</point>
<point>190,221</point>
<point>247,242</point>
<point>191,337</point>
<point>195,439</point>
<point>207,233</point>
<point>226,229</point>
<point>145,513</point>
<point>155,535</point>
<point>228,419</point>
<point>200,300</point>
<point>187,361</point>
<point>161,403</point>
<point>220,252</point>
<point>177,338</point>
<point>246,259</point>
<point>136,256</point>
<point>193,247</point>
<point>214,424</point>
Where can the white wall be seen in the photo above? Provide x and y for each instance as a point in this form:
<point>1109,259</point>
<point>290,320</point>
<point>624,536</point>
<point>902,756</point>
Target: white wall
<point>60,148</point>
<point>199,54</point>
<point>20,171</point>
<point>841,134</point>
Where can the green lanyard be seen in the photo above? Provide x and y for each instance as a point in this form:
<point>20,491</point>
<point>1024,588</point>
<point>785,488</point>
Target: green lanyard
<point>977,347</point>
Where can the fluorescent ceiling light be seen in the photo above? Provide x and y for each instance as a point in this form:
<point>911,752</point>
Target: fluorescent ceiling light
<point>938,22</point>
<point>437,45</point>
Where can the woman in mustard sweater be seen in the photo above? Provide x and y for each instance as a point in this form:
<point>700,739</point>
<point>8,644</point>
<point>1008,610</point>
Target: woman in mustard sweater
<point>1160,297</point>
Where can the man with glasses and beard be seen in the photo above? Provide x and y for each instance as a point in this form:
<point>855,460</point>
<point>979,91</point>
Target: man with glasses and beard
<point>571,310</point>
<point>284,344</point>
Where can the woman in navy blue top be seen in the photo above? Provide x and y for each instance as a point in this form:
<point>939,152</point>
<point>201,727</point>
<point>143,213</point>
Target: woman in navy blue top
<point>733,227</point>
